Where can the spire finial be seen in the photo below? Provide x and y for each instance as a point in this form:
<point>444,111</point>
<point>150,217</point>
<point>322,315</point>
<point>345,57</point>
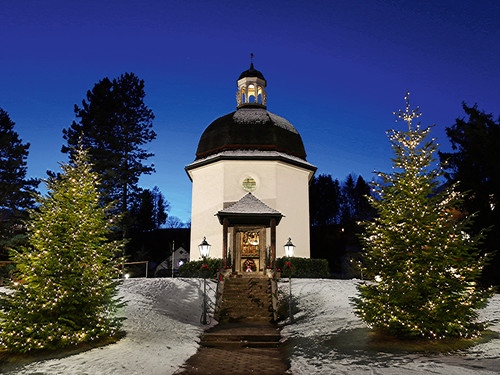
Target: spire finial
<point>251,60</point>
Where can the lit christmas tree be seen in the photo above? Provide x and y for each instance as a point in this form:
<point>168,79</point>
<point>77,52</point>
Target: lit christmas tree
<point>423,263</point>
<point>67,274</point>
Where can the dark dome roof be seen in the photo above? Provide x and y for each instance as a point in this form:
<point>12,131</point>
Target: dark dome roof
<point>250,128</point>
<point>251,73</point>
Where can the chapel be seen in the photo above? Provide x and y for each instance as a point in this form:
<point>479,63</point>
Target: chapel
<point>250,183</point>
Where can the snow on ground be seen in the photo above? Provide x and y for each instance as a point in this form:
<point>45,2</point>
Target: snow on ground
<point>327,338</point>
<point>162,332</point>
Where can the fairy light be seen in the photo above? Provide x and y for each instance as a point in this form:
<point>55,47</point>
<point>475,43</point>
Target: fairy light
<point>420,256</point>
<point>67,287</point>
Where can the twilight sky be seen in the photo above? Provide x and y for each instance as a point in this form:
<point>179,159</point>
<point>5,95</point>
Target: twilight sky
<point>335,69</point>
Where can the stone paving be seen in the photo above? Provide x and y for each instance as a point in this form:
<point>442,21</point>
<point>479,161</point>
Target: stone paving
<point>245,341</point>
<point>231,350</point>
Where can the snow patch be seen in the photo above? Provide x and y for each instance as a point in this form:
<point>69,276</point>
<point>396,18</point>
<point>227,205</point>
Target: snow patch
<point>162,332</point>
<point>261,116</point>
<point>328,338</point>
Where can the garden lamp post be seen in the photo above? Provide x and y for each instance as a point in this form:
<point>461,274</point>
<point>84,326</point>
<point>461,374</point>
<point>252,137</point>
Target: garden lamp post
<point>204,247</point>
<point>289,247</point>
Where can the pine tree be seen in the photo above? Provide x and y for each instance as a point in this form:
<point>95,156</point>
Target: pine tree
<point>16,192</point>
<point>324,200</point>
<point>67,285</point>
<point>149,211</point>
<point>114,126</point>
<point>424,263</point>
<point>475,165</point>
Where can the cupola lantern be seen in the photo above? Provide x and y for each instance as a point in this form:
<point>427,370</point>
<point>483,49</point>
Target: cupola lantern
<point>251,88</point>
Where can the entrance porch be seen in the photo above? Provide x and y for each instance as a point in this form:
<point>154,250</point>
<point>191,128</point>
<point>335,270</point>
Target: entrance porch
<point>244,234</point>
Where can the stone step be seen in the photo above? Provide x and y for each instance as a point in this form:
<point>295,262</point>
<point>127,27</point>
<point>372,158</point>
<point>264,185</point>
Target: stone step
<point>246,297</point>
<point>263,311</point>
<point>240,344</point>
<point>236,291</point>
<point>250,310</point>
<point>236,319</point>
<point>246,303</point>
<point>246,287</point>
<point>240,292</point>
<point>246,300</point>
<point>247,283</point>
<point>276,337</point>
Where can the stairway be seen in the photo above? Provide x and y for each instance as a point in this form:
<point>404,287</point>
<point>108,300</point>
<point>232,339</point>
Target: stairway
<point>245,316</point>
<point>246,299</point>
<point>247,334</point>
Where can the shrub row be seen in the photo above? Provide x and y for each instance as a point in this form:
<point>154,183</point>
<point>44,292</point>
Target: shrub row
<point>194,268</point>
<point>303,267</point>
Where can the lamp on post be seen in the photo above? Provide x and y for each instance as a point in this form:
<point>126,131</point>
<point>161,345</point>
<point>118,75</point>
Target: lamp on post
<point>204,247</point>
<point>289,247</point>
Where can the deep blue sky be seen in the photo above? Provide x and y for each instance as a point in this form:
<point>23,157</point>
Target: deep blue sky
<point>335,69</point>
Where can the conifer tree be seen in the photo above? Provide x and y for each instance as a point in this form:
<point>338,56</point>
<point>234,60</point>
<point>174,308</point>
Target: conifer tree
<point>475,165</point>
<point>16,192</point>
<point>115,126</point>
<point>424,263</point>
<point>66,288</point>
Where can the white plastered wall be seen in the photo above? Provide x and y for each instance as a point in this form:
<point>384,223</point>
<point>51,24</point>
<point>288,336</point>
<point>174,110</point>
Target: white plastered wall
<point>281,186</point>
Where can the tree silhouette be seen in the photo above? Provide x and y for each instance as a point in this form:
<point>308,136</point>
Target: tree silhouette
<point>475,166</point>
<point>114,126</point>
<point>16,192</point>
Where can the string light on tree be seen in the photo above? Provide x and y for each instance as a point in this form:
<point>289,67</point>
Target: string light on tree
<point>67,272</point>
<point>423,266</point>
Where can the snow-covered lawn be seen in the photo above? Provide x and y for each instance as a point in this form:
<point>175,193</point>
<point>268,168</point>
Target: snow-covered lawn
<point>327,338</point>
<point>163,331</point>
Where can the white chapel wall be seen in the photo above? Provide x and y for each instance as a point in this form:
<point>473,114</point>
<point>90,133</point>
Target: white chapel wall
<point>207,200</point>
<point>281,186</point>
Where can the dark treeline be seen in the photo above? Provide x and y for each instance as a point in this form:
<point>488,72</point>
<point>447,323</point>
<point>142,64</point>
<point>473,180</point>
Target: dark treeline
<point>335,209</point>
<point>115,126</point>
<point>474,165</point>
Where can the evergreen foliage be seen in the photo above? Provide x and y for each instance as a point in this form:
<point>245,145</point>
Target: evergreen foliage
<point>335,209</point>
<point>424,263</point>
<point>150,210</point>
<point>114,126</point>
<point>331,202</point>
<point>16,192</point>
<point>66,275</point>
<point>475,166</point>
<point>324,200</point>
<point>194,268</point>
<point>303,267</point>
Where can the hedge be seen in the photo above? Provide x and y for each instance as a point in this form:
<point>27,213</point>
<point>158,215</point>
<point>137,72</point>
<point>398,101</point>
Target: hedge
<point>301,268</point>
<point>193,268</point>
<point>304,267</point>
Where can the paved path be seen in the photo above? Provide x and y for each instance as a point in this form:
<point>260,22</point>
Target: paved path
<point>239,348</point>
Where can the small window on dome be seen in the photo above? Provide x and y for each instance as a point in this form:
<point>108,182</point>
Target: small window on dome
<point>249,184</point>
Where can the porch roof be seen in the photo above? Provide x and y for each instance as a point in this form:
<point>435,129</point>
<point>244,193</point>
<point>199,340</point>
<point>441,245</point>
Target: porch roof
<point>249,210</point>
